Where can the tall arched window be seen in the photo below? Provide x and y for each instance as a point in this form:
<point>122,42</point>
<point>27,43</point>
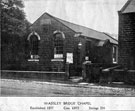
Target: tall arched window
<point>34,45</point>
<point>58,44</point>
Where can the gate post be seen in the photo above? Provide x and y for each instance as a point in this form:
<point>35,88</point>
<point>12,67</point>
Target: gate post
<point>67,70</point>
<point>84,71</point>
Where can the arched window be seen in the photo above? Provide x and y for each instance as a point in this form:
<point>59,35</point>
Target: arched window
<point>58,44</point>
<point>34,46</point>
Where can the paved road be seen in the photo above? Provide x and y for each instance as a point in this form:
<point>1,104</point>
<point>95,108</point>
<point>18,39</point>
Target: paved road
<point>10,87</point>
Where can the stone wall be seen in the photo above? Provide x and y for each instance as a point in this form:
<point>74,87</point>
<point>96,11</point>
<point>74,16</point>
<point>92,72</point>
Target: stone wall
<point>46,47</point>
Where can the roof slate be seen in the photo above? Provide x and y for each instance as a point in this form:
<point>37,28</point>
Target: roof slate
<point>87,32</point>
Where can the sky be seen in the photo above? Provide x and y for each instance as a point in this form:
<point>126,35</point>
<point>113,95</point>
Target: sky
<point>100,15</point>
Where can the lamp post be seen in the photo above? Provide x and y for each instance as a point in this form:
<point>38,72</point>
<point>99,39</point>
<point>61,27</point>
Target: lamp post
<point>79,50</point>
<point>79,45</point>
<point>79,69</point>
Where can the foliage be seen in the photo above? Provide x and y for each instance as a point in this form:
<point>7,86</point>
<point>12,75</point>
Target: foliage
<point>13,20</point>
<point>13,29</point>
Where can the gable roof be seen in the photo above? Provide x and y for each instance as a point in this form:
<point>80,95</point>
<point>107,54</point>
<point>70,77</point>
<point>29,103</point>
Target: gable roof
<point>129,7</point>
<point>87,32</point>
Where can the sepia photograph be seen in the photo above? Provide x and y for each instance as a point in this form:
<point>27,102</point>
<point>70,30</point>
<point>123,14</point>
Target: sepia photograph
<point>67,48</point>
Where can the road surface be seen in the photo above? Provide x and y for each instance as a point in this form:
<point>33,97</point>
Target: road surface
<point>11,87</point>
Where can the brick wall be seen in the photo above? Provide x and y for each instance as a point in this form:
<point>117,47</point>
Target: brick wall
<point>127,40</point>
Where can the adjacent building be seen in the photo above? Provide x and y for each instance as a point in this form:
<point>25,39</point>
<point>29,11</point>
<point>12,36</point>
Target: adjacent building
<point>127,35</point>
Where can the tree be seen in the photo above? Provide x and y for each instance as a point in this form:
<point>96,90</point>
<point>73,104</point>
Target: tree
<point>13,29</point>
<point>12,17</point>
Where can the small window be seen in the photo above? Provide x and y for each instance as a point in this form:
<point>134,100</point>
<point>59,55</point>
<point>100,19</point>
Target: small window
<point>115,54</point>
<point>58,45</point>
